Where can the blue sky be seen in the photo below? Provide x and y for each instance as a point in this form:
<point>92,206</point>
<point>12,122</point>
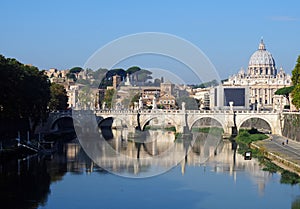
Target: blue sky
<point>64,34</point>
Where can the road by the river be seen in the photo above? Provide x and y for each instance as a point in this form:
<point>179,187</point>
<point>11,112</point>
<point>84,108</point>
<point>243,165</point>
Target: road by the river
<point>278,145</point>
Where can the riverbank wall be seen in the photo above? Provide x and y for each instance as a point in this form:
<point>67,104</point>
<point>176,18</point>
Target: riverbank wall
<point>291,126</point>
<point>277,158</point>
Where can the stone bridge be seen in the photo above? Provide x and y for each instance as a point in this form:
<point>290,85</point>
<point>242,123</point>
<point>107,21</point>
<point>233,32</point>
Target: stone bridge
<point>181,119</point>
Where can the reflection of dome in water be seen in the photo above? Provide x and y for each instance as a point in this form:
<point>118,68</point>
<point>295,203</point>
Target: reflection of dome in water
<point>261,62</point>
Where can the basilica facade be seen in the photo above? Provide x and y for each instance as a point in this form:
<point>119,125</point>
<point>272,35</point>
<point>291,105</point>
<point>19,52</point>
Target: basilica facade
<point>262,79</point>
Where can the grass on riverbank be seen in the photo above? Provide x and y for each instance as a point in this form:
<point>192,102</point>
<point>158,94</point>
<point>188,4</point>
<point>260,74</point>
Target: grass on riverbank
<point>245,138</point>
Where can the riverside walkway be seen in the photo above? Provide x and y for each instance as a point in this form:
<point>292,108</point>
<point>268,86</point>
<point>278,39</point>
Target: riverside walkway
<point>285,155</point>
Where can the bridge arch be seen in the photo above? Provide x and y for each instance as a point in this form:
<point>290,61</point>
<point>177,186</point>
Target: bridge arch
<point>146,121</point>
<point>111,121</point>
<point>57,122</point>
<point>242,121</point>
<point>223,125</point>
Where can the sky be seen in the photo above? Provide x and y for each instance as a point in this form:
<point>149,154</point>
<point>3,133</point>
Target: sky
<point>64,34</point>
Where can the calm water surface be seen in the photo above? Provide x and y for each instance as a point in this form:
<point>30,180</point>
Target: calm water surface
<point>70,179</point>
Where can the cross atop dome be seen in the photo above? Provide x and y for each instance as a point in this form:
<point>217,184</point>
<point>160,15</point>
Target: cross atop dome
<point>262,44</point>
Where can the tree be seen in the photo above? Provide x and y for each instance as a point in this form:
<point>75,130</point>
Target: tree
<point>108,79</point>
<point>296,96</point>
<point>285,91</point>
<point>109,97</point>
<point>99,74</point>
<point>132,70</point>
<point>142,75</point>
<point>190,103</point>
<point>206,84</point>
<point>71,76</point>
<point>296,82</point>
<point>24,92</point>
<point>134,99</point>
<point>59,98</point>
<point>296,73</point>
<point>76,70</point>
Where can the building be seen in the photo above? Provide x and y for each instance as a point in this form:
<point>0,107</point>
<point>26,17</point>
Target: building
<point>167,88</point>
<point>167,101</point>
<point>262,80</point>
<point>203,96</point>
<point>222,96</point>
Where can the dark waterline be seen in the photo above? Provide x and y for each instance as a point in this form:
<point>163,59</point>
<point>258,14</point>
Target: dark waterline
<point>70,179</point>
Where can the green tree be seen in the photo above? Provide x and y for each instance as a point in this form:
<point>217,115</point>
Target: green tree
<point>76,70</point>
<point>59,98</point>
<point>296,203</point>
<point>296,82</point>
<point>108,79</point>
<point>206,84</point>
<point>285,91</point>
<point>24,92</point>
<point>296,73</point>
<point>296,96</point>
<point>143,75</point>
<point>132,70</point>
<point>99,74</point>
<point>109,97</point>
<point>190,103</point>
<point>134,99</point>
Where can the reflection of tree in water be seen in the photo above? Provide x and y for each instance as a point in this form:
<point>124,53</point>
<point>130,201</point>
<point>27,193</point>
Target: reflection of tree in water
<point>28,185</point>
<point>296,203</point>
<point>29,189</point>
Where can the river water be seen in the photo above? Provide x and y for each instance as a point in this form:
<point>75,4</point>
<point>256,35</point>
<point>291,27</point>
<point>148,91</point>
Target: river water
<point>210,177</point>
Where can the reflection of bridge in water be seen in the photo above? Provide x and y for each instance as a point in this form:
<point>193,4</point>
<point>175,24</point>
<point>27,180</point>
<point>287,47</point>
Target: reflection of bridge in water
<point>146,151</point>
<point>220,159</point>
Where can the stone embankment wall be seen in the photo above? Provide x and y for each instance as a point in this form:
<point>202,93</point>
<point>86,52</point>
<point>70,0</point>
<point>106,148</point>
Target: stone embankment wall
<point>291,126</point>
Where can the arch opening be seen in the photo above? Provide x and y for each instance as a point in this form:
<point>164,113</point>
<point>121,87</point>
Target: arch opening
<point>256,123</point>
<point>63,124</point>
<point>159,123</point>
<point>109,124</point>
<point>207,125</point>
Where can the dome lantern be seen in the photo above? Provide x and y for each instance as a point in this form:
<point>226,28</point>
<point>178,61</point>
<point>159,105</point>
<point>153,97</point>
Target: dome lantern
<point>261,62</point>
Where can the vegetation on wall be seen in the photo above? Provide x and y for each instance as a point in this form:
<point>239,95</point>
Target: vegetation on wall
<point>296,83</point>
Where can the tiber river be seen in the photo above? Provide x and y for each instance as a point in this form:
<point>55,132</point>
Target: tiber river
<point>145,174</point>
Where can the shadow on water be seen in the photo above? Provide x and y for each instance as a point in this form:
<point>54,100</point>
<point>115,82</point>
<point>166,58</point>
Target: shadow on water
<point>25,183</point>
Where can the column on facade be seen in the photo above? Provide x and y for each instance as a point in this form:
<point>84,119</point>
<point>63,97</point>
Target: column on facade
<point>259,96</point>
<point>269,96</point>
<point>263,96</point>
